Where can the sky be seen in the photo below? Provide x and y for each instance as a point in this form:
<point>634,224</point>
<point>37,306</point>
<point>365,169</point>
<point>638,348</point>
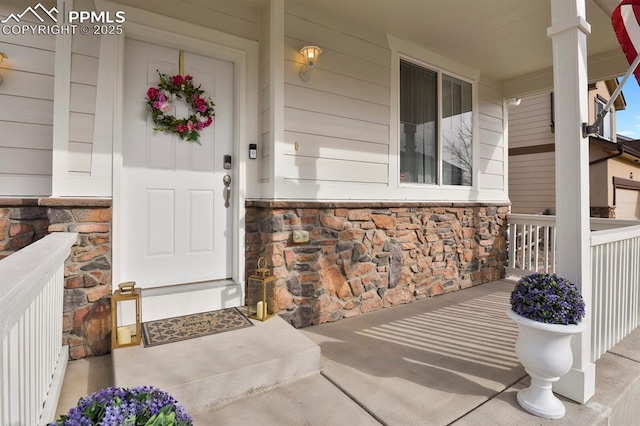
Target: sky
<point>628,120</point>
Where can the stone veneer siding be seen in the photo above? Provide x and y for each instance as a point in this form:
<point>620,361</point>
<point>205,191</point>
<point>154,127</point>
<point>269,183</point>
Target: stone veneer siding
<point>603,212</point>
<point>362,257</point>
<point>87,305</point>
<point>21,223</point>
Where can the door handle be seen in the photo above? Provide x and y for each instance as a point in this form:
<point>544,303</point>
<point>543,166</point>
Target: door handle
<point>227,189</point>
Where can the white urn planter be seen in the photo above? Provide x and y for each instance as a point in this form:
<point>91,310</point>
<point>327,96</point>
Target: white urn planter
<point>545,352</point>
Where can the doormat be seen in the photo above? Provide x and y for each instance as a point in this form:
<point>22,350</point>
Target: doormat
<point>186,327</point>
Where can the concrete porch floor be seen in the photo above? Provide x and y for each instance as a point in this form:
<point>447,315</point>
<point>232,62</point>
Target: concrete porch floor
<point>444,360</point>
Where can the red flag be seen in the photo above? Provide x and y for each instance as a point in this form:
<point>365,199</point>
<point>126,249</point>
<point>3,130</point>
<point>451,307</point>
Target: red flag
<point>626,23</point>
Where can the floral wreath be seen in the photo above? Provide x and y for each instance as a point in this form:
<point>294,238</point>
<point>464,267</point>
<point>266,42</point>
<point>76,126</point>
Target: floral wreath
<point>170,88</point>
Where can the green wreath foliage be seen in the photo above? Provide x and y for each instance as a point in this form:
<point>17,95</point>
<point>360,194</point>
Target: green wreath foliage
<point>159,103</point>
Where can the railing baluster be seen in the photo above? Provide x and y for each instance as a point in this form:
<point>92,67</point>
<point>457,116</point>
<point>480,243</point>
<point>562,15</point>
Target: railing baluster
<point>597,263</point>
<point>529,238</point>
<point>522,244</point>
<point>4,382</point>
<point>610,291</point>
<point>30,380</point>
<point>526,261</point>
<point>512,245</point>
<point>553,250</point>
<point>20,388</point>
<point>635,254</point>
<point>546,249</point>
<point>624,314</point>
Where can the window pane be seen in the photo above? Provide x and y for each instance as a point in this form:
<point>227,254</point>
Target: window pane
<point>604,129</point>
<point>418,124</point>
<point>457,132</point>
<point>599,106</point>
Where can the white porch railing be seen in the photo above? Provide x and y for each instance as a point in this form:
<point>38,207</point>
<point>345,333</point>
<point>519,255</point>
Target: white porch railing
<point>615,280</point>
<point>32,359</point>
<point>532,241</point>
<point>531,244</point>
<point>615,270</point>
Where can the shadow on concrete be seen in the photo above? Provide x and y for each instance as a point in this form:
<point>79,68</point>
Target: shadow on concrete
<point>446,355</point>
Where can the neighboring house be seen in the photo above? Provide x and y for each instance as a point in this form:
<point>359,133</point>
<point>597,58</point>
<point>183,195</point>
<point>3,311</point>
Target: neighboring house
<point>615,178</point>
<point>392,155</point>
<point>613,162</point>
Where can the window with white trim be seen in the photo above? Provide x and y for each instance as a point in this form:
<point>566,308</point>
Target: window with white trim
<point>436,127</point>
<point>604,129</point>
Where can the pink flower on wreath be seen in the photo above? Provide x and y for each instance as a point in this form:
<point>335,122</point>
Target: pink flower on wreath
<point>200,104</point>
<point>181,128</point>
<point>190,126</point>
<point>200,125</point>
<point>152,93</point>
<point>188,78</point>
<point>177,80</point>
<point>164,107</point>
<point>208,122</point>
<point>162,104</point>
<point>161,99</point>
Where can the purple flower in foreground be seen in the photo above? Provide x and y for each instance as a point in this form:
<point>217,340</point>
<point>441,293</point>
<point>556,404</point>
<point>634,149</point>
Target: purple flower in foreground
<point>547,298</point>
<point>143,405</point>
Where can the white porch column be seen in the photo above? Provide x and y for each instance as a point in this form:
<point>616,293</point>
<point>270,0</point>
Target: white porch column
<point>568,32</point>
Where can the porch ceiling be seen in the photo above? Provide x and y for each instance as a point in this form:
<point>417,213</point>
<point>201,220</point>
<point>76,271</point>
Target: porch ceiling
<point>504,39</point>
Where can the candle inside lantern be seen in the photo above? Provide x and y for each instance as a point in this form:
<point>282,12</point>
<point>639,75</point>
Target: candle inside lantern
<point>261,310</point>
<point>124,335</point>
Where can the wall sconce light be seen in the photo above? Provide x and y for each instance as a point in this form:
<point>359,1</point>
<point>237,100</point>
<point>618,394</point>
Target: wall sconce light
<point>310,54</point>
<point>2,56</point>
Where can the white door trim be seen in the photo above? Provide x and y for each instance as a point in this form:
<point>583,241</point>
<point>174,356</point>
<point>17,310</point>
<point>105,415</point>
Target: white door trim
<point>170,32</point>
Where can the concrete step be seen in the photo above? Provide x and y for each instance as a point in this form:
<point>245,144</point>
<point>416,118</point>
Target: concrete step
<point>211,371</point>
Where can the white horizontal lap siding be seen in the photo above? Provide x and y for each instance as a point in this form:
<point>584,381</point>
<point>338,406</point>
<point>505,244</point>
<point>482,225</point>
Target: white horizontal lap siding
<point>331,159</point>
<point>318,146</point>
<point>80,141</point>
<point>532,182</point>
<point>531,176</point>
<point>82,102</point>
<point>339,119</point>
<point>25,161</point>
<point>83,98</point>
<point>26,112</point>
<point>530,122</point>
<point>232,17</point>
<point>491,163</point>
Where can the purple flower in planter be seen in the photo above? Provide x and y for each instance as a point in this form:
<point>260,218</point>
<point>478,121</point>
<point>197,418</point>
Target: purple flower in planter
<point>143,405</point>
<point>547,298</point>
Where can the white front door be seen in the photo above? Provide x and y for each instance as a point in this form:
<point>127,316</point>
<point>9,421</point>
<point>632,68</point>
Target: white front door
<point>175,226</point>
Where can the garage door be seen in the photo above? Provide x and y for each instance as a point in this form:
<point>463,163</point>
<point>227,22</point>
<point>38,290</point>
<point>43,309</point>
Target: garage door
<point>627,204</point>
